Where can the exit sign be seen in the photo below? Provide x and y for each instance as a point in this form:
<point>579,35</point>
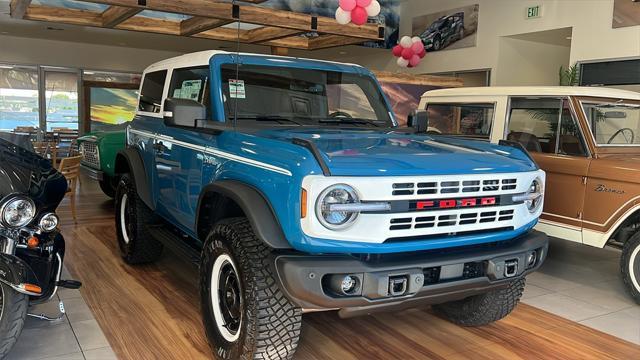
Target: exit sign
<point>534,12</point>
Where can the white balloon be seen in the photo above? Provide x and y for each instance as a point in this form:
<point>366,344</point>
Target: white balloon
<point>343,17</point>
<point>416,39</point>
<point>406,42</point>
<point>373,9</point>
<point>402,62</point>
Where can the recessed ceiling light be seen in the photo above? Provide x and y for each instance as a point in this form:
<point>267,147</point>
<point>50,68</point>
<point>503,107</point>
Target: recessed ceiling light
<point>89,73</point>
<point>6,67</point>
<point>568,38</point>
<point>4,32</point>
<point>342,53</point>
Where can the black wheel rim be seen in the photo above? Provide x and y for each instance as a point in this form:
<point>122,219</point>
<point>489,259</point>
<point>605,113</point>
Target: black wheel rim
<point>230,299</point>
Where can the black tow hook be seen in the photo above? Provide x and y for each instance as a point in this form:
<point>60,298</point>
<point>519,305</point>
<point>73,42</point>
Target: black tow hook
<point>69,284</point>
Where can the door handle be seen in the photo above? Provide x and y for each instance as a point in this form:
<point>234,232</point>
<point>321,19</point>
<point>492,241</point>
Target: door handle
<point>159,147</point>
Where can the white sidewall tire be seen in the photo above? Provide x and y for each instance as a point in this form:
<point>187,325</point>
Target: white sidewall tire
<point>215,299</point>
<point>123,223</point>
<point>632,260</point>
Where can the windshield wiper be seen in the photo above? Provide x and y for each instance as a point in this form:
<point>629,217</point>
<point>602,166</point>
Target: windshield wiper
<point>276,118</point>
<point>346,120</point>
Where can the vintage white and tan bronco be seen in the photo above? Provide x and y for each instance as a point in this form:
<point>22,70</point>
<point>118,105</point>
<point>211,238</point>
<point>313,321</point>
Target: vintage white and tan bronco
<point>587,139</point>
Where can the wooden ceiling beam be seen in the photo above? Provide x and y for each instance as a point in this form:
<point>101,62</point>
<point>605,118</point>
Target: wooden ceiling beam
<point>221,33</point>
<point>114,15</point>
<point>254,15</point>
<point>418,79</point>
<point>327,41</point>
<point>63,15</point>
<point>268,33</point>
<point>18,8</point>
<point>199,24</point>
<point>145,24</point>
<point>294,42</point>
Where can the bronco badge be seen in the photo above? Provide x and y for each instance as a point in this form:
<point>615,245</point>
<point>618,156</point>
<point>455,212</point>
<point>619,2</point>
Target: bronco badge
<point>603,188</point>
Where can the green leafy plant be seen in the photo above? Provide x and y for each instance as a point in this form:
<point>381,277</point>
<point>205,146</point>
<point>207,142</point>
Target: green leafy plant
<point>569,76</point>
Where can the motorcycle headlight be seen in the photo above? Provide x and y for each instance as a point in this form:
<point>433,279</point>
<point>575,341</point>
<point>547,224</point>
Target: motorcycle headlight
<point>17,211</point>
<point>328,210</point>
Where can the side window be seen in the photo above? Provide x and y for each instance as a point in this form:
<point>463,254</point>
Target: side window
<point>151,93</point>
<point>545,125</point>
<point>193,84</point>
<point>460,119</point>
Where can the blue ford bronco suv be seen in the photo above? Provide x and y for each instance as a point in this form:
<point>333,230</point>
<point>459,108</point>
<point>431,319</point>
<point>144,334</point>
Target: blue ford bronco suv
<point>289,184</point>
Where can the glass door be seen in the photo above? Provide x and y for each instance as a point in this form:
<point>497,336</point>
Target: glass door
<point>60,101</point>
<point>19,106</point>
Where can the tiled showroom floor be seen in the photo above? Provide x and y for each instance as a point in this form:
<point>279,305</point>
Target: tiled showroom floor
<point>583,284</point>
<point>76,336</point>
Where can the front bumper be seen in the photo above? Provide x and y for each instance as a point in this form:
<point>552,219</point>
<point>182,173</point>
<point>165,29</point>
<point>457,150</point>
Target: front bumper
<point>92,173</point>
<point>430,277</point>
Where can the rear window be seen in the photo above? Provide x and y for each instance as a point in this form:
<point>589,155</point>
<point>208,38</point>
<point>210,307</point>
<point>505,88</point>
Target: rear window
<point>461,119</point>
<point>151,94</point>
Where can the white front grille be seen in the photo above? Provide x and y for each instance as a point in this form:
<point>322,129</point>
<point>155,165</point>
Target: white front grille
<point>426,220</point>
<point>90,154</point>
<point>411,222</point>
<point>453,186</point>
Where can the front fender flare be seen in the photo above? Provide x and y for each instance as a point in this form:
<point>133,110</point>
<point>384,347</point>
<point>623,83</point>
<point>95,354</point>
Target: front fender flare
<point>256,208</point>
<point>129,160</point>
<point>15,273</point>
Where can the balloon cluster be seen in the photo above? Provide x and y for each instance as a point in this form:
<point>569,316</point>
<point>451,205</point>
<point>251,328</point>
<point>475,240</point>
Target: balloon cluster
<point>409,51</point>
<point>356,11</point>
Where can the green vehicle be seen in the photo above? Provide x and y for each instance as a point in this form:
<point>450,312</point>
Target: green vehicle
<point>99,155</point>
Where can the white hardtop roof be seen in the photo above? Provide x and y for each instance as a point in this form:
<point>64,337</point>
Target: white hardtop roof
<point>535,91</point>
<point>201,58</point>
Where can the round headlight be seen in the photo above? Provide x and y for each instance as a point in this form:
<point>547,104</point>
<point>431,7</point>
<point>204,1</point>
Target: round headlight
<point>336,195</point>
<point>17,211</point>
<point>535,195</point>
<point>48,222</point>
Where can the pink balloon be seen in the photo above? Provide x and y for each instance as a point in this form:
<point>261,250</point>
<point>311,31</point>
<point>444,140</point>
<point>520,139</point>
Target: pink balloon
<point>397,50</point>
<point>414,61</point>
<point>359,16</point>
<point>407,53</point>
<point>347,5</point>
<point>422,53</point>
<point>363,3</point>
<point>417,47</point>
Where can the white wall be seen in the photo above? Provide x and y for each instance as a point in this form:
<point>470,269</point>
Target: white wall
<point>22,50</point>
<point>522,62</point>
<point>593,37</point>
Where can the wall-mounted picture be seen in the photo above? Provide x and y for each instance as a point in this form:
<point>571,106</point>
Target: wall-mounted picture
<point>451,29</point>
<point>625,13</point>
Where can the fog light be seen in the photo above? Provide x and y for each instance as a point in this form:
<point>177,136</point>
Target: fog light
<point>531,259</point>
<point>48,222</point>
<point>345,284</point>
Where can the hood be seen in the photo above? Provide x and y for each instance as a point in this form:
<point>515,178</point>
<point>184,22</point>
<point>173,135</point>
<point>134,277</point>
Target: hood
<point>24,172</point>
<point>109,137</point>
<point>369,152</point>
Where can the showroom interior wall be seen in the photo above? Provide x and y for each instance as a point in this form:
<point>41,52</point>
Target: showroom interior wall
<point>593,37</point>
<point>33,51</point>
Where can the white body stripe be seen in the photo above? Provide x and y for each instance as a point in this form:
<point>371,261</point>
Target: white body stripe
<point>214,152</point>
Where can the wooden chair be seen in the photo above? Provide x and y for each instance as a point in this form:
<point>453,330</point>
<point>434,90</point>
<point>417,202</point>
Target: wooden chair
<point>47,149</point>
<point>70,168</point>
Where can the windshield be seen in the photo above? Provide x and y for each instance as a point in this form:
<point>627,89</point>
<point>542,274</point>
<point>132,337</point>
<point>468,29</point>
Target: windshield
<point>613,123</point>
<point>460,119</point>
<point>308,97</point>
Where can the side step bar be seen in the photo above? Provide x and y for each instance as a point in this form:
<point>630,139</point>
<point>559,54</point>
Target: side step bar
<point>175,244</point>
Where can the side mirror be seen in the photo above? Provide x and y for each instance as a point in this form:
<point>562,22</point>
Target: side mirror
<point>418,120</point>
<point>183,112</point>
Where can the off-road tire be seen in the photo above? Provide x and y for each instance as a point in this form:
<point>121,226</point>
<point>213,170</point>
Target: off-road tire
<point>483,309</point>
<point>437,43</point>
<point>270,324</point>
<point>107,186</point>
<point>12,316</point>
<point>630,266</point>
<point>140,247</point>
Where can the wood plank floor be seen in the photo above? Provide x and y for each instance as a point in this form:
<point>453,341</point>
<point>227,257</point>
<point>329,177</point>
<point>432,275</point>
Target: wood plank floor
<point>152,312</point>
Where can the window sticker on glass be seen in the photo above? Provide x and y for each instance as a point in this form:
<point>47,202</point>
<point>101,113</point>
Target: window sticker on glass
<point>236,89</point>
<point>191,89</point>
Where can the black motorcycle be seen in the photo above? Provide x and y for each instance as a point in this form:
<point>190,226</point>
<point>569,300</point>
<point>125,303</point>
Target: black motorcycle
<point>31,248</point>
